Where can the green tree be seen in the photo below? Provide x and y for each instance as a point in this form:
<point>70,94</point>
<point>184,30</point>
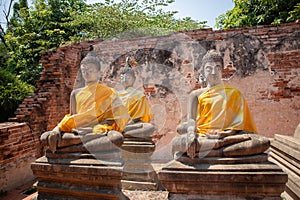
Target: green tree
<point>132,18</point>
<point>12,92</point>
<point>295,14</point>
<point>41,29</point>
<point>259,12</point>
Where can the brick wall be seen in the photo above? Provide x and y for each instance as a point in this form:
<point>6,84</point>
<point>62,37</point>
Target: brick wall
<point>266,59</point>
<point>285,69</point>
<point>18,148</point>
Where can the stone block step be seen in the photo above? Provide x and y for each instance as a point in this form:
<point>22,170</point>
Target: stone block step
<point>139,185</point>
<point>246,181</point>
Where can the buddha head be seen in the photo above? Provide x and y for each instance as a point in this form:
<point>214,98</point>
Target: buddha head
<point>90,69</point>
<point>127,75</point>
<point>211,68</point>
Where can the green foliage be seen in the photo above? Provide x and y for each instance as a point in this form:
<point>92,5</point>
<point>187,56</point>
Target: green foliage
<point>295,14</point>
<point>12,92</point>
<point>3,55</point>
<point>258,12</point>
<point>38,30</point>
<point>130,19</point>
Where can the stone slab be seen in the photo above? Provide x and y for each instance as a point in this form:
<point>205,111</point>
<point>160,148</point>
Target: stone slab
<point>286,149</point>
<point>78,179</point>
<point>262,180</point>
<point>288,162</point>
<point>288,141</point>
<point>289,195</point>
<point>139,185</point>
<point>138,147</point>
<point>223,160</point>
<point>112,155</point>
<point>293,185</point>
<point>81,161</point>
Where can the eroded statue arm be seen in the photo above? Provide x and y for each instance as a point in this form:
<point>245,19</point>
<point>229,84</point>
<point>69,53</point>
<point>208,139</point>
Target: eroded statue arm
<point>192,108</point>
<point>192,103</point>
<point>73,103</point>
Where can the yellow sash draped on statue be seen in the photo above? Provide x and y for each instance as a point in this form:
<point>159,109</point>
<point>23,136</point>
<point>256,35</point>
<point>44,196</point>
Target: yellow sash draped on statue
<point>221,108</point>
<point>137,104</point>
<point>94,104</point>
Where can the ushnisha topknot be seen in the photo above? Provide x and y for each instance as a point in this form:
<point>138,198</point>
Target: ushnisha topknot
<point>211,56</point>
<point>91,58</point>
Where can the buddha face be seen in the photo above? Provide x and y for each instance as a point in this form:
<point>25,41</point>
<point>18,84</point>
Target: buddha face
<point>212,71</point>
<point>127,80</point>
<point>90,72</point>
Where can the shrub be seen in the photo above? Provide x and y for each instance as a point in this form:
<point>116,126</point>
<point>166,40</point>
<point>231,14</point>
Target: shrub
<point>12,93</point>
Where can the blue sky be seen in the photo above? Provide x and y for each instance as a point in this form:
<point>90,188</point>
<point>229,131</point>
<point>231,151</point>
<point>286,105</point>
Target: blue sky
<point>201,10</point>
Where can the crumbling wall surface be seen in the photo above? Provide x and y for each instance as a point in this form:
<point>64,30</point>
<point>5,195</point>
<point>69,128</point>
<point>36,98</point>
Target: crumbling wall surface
<point>18,148</point>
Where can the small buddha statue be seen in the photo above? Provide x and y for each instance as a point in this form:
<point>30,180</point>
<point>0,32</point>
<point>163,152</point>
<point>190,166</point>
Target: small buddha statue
<point>97,116</point>
<point>219,122</point>
<point>136,103</point>
<point>138,145</point>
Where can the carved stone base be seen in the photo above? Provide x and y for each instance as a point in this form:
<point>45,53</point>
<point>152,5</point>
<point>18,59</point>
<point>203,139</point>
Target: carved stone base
<point>138,172</point>
<point>78,178</point>
<point>198,180</point>
<point>285,152</point>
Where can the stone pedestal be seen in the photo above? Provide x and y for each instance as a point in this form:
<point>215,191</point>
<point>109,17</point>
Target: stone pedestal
<point>285,152</point>
<point>78,176</point>
<point>251,177</point>
<point>138,173</point>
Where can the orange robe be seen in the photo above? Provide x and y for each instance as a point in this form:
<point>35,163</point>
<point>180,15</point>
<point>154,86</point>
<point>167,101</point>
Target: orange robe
<point>221,108</point>
<point>96,103</point>
<point>137,104</point>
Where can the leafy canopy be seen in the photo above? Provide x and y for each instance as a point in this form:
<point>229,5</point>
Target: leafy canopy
<point>139,18</point>
<point>259,12</point>
<point>12,92</point>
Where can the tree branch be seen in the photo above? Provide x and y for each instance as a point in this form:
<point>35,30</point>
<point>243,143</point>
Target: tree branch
<point>8,13</point>
<point>2,34</point>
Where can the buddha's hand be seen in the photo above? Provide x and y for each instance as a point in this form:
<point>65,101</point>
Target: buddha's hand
<point>53,139</point>
<point>191,139</point>
<point>221,134</point>
<point>82,131</point>
<point>130,127</point>
<point>192,147</point>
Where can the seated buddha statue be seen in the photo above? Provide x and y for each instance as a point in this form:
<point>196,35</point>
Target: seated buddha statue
<point>97,115</point>
<point>219,122</point>
<point>136,103</point>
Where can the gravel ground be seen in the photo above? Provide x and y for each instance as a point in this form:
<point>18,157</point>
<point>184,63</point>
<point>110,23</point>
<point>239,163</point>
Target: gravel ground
<point>143,195</point>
